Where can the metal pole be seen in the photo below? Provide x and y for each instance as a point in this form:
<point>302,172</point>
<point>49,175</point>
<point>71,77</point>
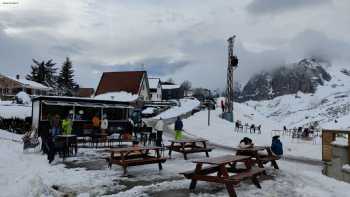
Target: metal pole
<point>208,116</point>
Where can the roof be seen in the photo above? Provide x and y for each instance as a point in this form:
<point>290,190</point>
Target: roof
<point>85,92</point>
<point>29,83</point>
<point>168,87</point>
<point>128,81</point>
<point>77,99</point>
<point>117,96</point>
<point>153,83</point>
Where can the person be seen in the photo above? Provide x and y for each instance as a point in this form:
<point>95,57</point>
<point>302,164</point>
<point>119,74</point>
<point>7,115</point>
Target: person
<point>67,125</point>
<point>127,134</point>
<point>222,106</point>
<point>246,143</point>
<point>96,123</point>
<point>104,124</point>
<point>159,128</point>
<point>276,146</point>
<point>178,128</point>
<point>252,127</point>
<point>237,126</point>
<point>284,129</point>
<point>259,129</point>
<point>55,125</point>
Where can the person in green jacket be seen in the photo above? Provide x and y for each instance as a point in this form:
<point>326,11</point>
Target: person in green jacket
<point>67,125</point>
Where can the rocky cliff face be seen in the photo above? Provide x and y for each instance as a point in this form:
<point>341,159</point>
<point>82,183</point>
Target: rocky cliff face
<point>303,76</point>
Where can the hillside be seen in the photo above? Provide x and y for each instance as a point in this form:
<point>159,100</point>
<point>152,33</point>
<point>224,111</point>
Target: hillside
<point>329,104</point>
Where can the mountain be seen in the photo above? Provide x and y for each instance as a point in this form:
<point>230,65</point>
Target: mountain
<point>324,99</point>
<point>304,76</point>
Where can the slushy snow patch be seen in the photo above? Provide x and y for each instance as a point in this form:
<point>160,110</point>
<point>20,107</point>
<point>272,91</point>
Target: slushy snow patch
<point>346,167</point>
<point>117,96</point>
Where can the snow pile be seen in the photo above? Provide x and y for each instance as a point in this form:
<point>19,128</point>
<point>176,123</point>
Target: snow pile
<point>12,110</point>
<point>117,96</point>
<point>23,98</point>
<point>149,110</point>
<point>346,167</point>
<point>186,105</point>
<point>341,142</point>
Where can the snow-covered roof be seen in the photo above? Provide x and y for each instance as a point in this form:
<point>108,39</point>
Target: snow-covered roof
<point>30,84</point>
<point>168,87</point>
<point>117,96</point>
<point>153,83</point>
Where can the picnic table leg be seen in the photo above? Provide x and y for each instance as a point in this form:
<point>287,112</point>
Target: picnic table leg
<point>183,150</point>
<point>194,181</point>
<point>205,146</point>
<point>171,148</point>
<point>159,163</point>
<point>274,164</point>
<point>231,190</point>
<point>256,181</point>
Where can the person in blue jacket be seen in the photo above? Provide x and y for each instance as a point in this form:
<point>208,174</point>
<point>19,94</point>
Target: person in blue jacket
<point>276,146</point>
<point>178,129</point>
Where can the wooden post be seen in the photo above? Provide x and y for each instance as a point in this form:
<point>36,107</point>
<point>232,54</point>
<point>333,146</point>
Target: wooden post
<point>208,116</point>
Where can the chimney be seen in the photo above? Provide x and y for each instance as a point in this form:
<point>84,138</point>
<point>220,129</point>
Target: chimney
<point>17,76</point>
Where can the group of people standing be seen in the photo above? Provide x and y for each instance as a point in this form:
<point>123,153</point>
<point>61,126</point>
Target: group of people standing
<point>276,145</point>
<point>252,128</point>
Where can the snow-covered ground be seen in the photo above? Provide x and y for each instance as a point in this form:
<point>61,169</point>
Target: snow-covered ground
<point>12,110</point>
<point>29,174</point>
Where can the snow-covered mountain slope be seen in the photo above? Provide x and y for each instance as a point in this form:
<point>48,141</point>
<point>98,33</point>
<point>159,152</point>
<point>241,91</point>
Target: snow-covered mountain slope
<point>329,105</point>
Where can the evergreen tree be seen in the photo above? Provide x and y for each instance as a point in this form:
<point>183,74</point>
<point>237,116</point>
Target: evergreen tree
<point>43,72</point>
<point>65,78</point>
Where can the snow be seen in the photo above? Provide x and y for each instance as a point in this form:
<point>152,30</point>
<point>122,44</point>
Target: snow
<point>149,110</point>
<point>117,96</point>
<point>329,105</point>
<point>346,167</point>
<point>29,174</point>
<point>167,87</point>
<point>186,105</point>
<point>221,132</point>
<point>341,142</point>
<point>12,110</point>
<point>153,83</point>
<point>24,98</point>
<point>30,84</point>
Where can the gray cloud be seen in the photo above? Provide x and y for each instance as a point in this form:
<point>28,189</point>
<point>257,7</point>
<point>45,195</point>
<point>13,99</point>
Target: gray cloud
<point>259,7</point>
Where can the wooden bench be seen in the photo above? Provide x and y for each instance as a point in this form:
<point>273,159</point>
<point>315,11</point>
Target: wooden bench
<point>253,173</point>
<point>189,146</point>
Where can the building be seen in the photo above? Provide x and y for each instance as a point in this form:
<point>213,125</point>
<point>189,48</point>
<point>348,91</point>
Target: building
<point>10,86</point>
<point>133,82</point>
<point>85,92</point>
<point>171,91</point>
<point>155,89</point>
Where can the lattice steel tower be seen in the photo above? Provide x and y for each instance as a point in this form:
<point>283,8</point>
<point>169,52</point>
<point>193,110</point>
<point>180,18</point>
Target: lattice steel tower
<point>232,65</point>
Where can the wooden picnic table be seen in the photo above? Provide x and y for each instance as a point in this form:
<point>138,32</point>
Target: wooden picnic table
<point>133,156</point>
<point>218,168</point>
<point>187,146</point>
<point>259,158</point>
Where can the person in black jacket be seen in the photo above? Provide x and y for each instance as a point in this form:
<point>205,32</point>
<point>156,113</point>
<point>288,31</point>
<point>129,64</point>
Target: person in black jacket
<point>178,129</point>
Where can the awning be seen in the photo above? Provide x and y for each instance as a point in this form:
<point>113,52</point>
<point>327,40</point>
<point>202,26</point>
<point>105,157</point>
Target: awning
<point>86,104</point>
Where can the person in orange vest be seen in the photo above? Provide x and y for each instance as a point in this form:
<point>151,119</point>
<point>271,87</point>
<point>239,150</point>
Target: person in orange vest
<point>96,123</point>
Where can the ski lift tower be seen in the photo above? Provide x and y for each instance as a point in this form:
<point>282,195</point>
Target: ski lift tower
<point>232,65</point>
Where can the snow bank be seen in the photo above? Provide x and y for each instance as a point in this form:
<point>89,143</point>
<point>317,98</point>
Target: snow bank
<point>149,110</point>
<point>117,96</point>
<point>11,110</point>
<point>187,105</point>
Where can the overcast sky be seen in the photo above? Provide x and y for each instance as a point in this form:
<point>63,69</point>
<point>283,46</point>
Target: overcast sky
<point>182,39</point>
